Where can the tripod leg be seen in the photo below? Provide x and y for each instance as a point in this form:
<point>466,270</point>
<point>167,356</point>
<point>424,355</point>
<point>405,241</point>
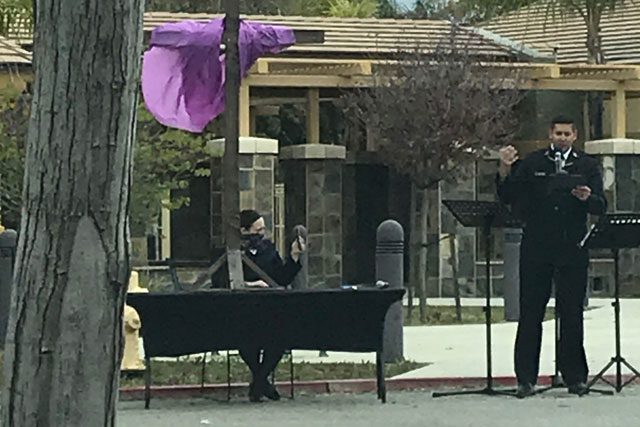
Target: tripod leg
<point>599,376</point>
<point>635,372</point>
<point>382,391</point>
<point>618,374</point>
<point>147,382</point>
<point>631,368</point>
<point>616,313</point>
<point>556,381</point>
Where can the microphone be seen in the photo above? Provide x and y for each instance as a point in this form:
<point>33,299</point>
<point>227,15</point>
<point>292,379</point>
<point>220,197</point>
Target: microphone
<point>559,162</point>
<point>299,232</point>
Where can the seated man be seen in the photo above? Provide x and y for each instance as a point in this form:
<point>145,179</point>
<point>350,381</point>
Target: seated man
<point>263,253</point>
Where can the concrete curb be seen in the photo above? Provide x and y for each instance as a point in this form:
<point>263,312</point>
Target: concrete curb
<point>219,391</point>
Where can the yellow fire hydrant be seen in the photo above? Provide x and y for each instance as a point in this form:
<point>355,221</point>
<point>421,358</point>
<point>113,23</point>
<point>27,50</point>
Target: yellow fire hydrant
<point>131,360</point>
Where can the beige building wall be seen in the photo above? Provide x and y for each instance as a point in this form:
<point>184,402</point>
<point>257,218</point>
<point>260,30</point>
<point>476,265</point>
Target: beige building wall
<point>633,117</point>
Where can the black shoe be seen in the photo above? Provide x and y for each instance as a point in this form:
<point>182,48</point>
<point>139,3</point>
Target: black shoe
<point>269,391</point>
<point>255,393</point>
<point>578,388</point>
<point>525,390</point>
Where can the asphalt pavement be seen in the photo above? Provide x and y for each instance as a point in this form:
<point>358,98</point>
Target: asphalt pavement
<point>416,408</point>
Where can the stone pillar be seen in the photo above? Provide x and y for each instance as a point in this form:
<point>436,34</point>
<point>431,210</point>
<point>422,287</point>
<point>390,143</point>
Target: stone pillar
<point>313,193</point>
<point>620,159</point>
<point>256,181</point>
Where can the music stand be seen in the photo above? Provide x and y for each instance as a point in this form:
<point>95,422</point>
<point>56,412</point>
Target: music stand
<point>556,379</point>
<point>484,215</point>
<point>615,232</point>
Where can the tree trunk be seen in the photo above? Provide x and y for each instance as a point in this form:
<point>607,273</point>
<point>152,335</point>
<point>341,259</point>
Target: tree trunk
<point>595,55</point>
<point>64,341</point>
<point>231,199</point>
<point>422,265</point>
<point>413,250</point>
<point>594,45</point>
<point>454,274</point>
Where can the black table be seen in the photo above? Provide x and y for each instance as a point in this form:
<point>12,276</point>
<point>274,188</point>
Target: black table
<point>178,324</point>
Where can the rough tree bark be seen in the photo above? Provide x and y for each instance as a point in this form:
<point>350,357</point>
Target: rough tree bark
<point>454,274</point>
<point>413,251</point>
<point>422,264</point>
<point>595,55</point>
<point>65,333</point>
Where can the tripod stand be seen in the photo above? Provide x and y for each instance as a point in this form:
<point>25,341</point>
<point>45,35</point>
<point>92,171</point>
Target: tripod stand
<point>615,232</point>
<point>485,215</point>
<point>556,379</point>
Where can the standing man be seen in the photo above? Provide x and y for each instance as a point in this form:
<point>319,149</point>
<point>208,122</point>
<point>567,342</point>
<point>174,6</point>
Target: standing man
<point>262,251</point>
<point>555,221</point>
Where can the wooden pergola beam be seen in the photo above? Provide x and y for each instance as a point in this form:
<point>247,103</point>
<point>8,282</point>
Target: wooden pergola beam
<point>246,117</point>
<point>280,100</point>
<point>613,74</point>
<point>313,116</point>
<point>245,110</point>
<point>306,81</point>
<point>301,66</point>
<point>619,112</point>
<point>577,85</point>
<point>330,81</point>
<point>344,73</point>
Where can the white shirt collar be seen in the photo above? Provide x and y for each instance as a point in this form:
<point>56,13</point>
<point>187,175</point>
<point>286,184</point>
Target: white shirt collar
<point>565,155</point>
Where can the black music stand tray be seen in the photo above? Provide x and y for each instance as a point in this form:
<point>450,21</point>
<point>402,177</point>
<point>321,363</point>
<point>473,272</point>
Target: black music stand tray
<point>615,232</point>
<point>484,215</point>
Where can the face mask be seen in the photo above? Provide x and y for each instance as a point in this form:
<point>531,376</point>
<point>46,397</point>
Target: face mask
<point>253,240</point>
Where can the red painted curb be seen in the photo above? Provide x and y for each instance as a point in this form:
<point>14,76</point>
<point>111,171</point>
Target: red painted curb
<point>330,386</point>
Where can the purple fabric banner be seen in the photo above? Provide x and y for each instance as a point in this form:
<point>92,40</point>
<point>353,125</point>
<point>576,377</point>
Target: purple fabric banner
<point>183,70</point>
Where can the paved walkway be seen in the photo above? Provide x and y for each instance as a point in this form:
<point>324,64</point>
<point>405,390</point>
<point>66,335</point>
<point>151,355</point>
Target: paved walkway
<point>459,350</point>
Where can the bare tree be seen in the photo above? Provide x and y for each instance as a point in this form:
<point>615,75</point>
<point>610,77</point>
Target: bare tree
<point>64,341</point>
<point>433,113</point>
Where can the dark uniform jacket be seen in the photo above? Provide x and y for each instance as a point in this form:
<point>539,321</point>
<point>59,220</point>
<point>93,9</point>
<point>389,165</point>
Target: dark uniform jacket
<point>265,255</point>
<point>552,219</point>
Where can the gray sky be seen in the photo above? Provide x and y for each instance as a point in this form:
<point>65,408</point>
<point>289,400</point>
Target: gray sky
<point>406,3</point>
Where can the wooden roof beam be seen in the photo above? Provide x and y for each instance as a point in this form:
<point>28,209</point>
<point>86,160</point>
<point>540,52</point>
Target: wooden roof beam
<point>546,72</point>
<point>581,85</point>
<point>298,66</point>
<point>605,74</point>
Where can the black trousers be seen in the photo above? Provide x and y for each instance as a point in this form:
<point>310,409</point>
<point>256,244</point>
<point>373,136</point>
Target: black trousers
<point>261,367</point>
<point>568,268</point>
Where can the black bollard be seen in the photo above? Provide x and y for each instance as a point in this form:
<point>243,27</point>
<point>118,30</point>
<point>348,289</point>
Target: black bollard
<point>8,241</point>
<point>390,269</point>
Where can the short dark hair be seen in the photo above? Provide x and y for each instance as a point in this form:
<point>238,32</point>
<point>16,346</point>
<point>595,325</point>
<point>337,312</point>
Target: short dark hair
<point>248,217</point>
<point>563,120</point>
